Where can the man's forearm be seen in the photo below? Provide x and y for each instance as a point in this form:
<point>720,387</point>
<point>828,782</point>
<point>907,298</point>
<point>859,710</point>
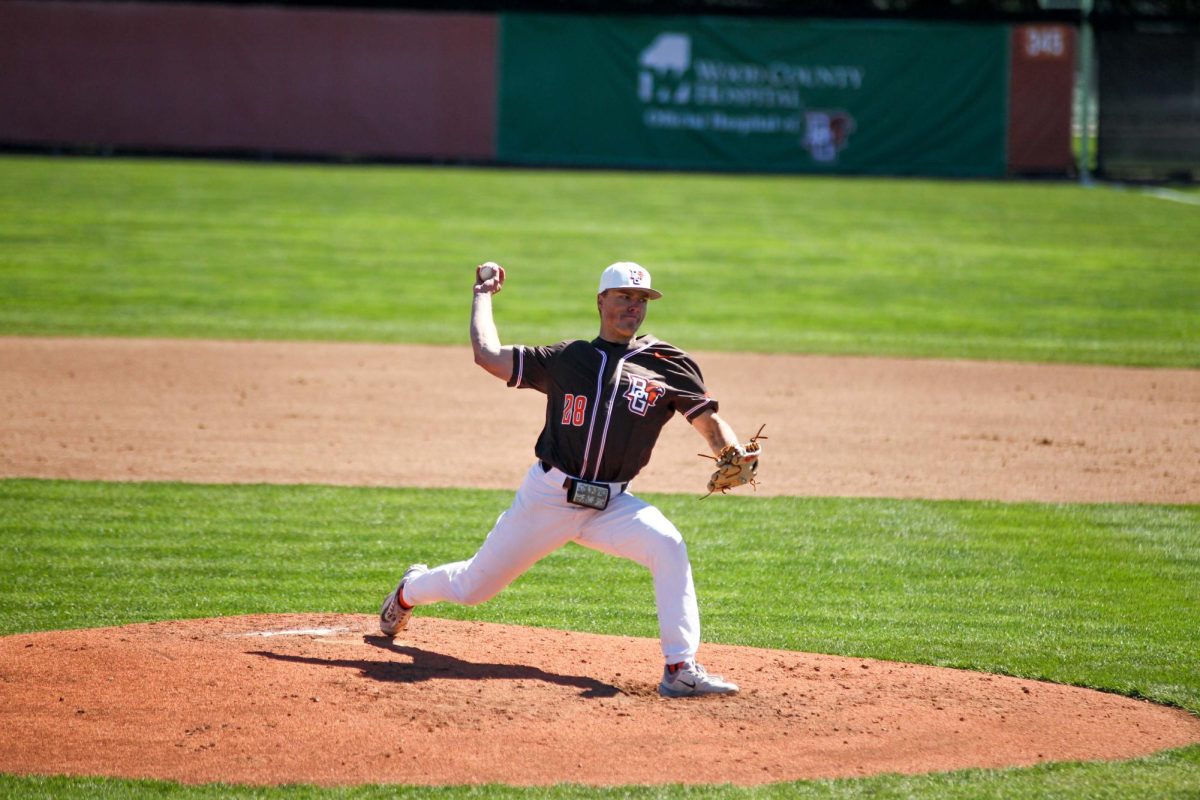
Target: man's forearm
<point>716,431</point>
<point>485,339</point>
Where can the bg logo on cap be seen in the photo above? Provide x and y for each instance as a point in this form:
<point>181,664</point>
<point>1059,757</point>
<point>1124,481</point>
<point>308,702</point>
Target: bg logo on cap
<point>627,275</point>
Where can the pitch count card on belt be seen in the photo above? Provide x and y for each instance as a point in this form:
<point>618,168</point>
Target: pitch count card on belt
<point>585,493</point>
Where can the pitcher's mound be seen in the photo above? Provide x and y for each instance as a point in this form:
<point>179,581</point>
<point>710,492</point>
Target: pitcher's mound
<point>325,699</point>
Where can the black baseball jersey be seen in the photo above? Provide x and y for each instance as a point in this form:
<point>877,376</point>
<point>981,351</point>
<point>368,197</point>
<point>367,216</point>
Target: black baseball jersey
<point>606,403</point>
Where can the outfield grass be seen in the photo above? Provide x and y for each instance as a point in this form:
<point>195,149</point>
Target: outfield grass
<point>1035,271</point>
<point>1100,596</point>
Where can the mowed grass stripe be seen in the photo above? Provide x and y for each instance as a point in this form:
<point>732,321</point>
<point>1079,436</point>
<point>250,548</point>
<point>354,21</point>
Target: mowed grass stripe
<point>1173,775</point>
<point>1030,271</point>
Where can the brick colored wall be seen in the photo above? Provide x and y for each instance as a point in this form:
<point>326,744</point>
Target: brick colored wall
<point>214,78</point>
<point>1040,95</point>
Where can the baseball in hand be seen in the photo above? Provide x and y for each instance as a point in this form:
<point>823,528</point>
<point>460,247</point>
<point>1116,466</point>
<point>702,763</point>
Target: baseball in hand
<point>487,271</point>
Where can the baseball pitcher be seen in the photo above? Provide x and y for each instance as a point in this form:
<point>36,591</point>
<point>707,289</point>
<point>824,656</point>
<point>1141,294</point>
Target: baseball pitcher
<point>607,399</point>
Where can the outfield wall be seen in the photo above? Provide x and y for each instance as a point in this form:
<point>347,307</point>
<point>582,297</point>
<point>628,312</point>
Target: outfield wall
<point>712,93</point>
<point>259,79</point>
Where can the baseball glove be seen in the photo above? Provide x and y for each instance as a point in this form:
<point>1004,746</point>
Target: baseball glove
<point>737,465</point>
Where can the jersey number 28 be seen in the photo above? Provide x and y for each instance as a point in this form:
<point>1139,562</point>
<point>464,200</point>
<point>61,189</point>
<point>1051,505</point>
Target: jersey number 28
<point>574,409</point>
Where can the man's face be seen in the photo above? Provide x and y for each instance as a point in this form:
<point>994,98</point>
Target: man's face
<point>622,311</point>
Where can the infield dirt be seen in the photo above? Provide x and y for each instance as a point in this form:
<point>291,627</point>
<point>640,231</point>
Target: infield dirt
<point>360,414</point>
<point>325,699</point>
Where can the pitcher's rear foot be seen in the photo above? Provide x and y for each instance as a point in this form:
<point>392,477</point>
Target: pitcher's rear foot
<point>393,616</point>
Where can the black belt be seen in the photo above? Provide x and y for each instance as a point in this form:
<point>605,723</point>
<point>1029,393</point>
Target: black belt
<point>547,466</point>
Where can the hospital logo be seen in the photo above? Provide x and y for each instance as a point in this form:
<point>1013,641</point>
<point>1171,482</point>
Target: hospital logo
<point>662,67</point>
<point>682,87</point>
<point>826,133</point>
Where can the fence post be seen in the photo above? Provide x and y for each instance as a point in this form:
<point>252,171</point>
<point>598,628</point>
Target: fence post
<point>1086,68</point>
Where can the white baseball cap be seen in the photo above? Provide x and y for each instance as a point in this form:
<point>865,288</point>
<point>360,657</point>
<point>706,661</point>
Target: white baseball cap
<point>627,275</point>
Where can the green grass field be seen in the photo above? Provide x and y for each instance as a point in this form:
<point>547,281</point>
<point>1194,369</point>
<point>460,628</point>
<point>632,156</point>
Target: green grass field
<point>1044,272</point>
<point>1098,596</point>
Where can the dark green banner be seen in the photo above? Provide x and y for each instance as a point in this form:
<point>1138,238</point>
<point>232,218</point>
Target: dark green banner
<point>719,93</point>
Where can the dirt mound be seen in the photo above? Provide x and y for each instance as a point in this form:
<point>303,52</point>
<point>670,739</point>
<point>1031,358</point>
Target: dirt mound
<point>325,699</point>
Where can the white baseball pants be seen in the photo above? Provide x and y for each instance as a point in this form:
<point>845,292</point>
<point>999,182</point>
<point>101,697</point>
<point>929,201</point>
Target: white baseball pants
<point>541,520</point>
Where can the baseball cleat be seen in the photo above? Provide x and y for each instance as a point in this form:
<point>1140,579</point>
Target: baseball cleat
<point>394,617</point>
<point>692,679</point>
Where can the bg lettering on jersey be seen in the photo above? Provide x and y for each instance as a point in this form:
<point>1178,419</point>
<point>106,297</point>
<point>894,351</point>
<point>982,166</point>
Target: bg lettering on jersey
<point>643,394</point>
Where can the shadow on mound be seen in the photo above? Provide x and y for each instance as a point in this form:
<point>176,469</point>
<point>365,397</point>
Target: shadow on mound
<point>428,665</point>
